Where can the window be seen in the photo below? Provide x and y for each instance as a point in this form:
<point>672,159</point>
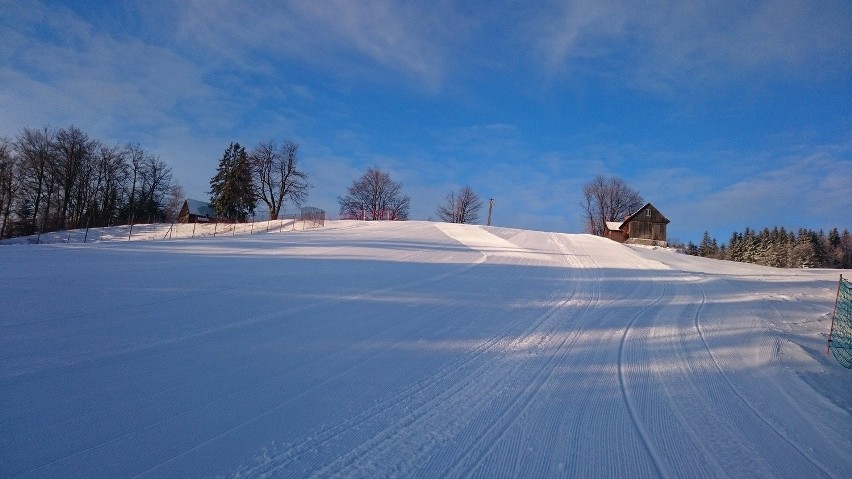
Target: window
<point>648,212</point>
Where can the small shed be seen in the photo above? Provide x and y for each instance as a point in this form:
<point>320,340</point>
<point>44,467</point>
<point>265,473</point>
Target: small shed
<point>195,211</point>
<point>613,231</point>
<point>645,226</point>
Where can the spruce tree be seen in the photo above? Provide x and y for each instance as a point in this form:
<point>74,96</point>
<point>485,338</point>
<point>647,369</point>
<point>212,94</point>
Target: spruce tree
<point>735,248</point>
<point>781,248</point>
<point>803,255</point>
<point>232,192</point>
<point>834,238</point>
<point>820,243</point>
<point>846,249</point>
<point>750,246</point>
<point>708,247</point>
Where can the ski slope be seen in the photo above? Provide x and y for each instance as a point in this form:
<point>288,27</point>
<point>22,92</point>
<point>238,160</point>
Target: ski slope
<point>413,349</point>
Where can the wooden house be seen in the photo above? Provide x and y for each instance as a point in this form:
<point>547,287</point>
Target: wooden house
<point>195,211</point>
<point>645,226</point>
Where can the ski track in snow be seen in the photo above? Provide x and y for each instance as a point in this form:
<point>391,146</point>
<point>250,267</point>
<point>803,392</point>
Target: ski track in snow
<point>476,384</point>
<point>414,349</point>
<point>781,435</point>
<point>647,442</point>
<point>375,292</point>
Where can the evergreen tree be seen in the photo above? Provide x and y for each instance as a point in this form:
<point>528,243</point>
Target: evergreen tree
<point>781,248</point>
<point>820,244</point>
<point>773,250</point>
<point>232,192</point>
<point>691,249</point>
<point>735,248</point>
<point>803,255</point>
<point>708,247</point>
<point>834,238</point>
<point>750,246</point>
<point>846,249</point>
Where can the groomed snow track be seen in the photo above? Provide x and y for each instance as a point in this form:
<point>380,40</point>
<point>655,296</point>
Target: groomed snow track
<point>413,350</point>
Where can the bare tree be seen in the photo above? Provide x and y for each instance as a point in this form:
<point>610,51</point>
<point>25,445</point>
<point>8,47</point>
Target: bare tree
<point>135,157</point>
<point>608,199</point>
<point>65,179</point>
<point>148,184</point>
<point>374,196</point>
<point>9,183</point>
<point>174,202</point>
<point>74,152</point>
<point>460,207</point>
<point>111,179</point>
<point>156,185</point>
<point>277,177</point>
<point>38,167</point>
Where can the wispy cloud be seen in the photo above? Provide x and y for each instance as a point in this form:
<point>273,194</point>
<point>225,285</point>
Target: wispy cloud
<point>666,45</point>
<point>409,38</point>
<point>77,74</point>
<point>570,30</point>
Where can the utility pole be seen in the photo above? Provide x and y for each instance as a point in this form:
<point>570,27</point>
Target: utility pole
<point>490,207</point>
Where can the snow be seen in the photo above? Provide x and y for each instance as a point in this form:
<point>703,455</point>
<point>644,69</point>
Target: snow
<point>420,349</point>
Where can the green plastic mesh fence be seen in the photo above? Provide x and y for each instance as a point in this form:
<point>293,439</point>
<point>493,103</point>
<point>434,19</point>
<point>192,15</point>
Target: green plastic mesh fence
<point>840,337</point>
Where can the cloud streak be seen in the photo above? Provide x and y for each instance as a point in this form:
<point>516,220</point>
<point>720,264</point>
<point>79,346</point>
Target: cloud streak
<point>409,38</point>
<point>79,75</point>
<point>669,45</point>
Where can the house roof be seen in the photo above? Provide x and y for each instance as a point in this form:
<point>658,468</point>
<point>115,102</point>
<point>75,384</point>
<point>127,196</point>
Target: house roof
<point>647,205</point>
<point>200,208</point>
<point>613,225</point>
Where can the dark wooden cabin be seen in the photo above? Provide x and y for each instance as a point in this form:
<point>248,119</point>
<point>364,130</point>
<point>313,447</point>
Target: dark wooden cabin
<point>195,211</point>
<point>645,226</point>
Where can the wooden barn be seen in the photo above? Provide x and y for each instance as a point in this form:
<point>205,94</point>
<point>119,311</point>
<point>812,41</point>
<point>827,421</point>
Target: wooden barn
<point>195,211</point>
<point>646,226</point>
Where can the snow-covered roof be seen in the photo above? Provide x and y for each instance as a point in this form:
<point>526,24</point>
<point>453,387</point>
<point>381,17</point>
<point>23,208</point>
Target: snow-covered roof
<point>200,208</point>
<point>613,225</point>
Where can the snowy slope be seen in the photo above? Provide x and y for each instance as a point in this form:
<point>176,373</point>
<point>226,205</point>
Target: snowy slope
<point>413,349</point>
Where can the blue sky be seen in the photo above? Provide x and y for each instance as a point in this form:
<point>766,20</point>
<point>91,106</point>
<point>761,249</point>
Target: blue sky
<point>723,114</point>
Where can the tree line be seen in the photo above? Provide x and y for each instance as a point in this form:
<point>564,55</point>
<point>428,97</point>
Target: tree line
<point>61,179</point>
<point>780,248</point>
<point>52,179</point>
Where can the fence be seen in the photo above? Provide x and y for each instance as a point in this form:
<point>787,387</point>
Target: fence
<point>840,335</point>
<point>159,231</point>
<point>307,218</point>
<point>314,216</point>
